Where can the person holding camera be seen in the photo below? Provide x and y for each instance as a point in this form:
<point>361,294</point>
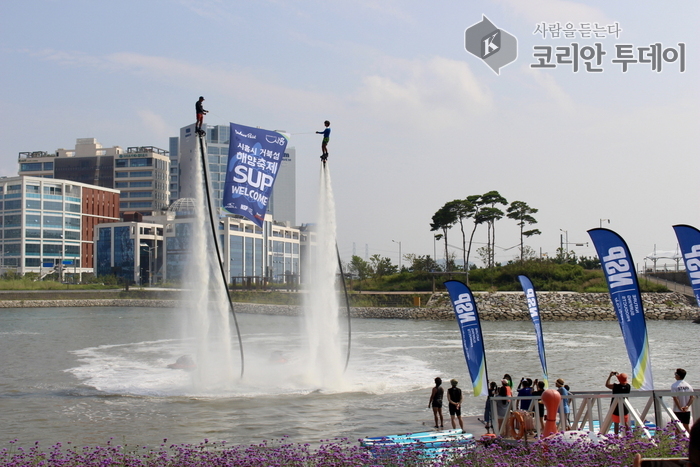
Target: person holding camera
<point>621,387</point>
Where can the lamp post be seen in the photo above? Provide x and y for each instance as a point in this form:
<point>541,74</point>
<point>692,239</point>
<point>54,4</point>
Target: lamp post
<point>399,242</point>
<point>561,239</point>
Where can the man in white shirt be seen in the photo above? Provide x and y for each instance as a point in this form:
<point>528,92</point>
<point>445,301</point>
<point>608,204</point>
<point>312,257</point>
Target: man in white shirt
<point>681,404</point>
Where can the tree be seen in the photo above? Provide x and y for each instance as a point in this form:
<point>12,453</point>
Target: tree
<point>462,209</point>
<point>478,218</point>
<point>360,267</point>
<point>381,266</point>
<point>491,214</point>
<point>421,263</point>
<point>522,213</point>
<point>443,220</point>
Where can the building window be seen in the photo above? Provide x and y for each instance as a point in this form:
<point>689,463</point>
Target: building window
<point>53,190</point>
<point>13,205</point>
<point>121,163</point>
<point>32,249</point>
<point>48,165</point>
<point>140,194</point>
<point>70,235</point>
<point>30,166</point>
<point>72,207</point>
<point>32,233</point>
<point>53,249</point>
<point>13,220</point>
<point>73,223</point>
<point>145,173</point>
<point>32,262</point>
<point>33,204</point>
<point>32,189</point>
<point>141,162</point>
<point>121,185</point>
<point>53,206</point>
<point>53,234</point>
<point>13,233</point>
<point>121,174</point>
<point>54,222</point>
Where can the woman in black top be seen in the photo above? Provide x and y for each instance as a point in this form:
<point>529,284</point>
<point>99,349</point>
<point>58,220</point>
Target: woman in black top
<point>436,402</point>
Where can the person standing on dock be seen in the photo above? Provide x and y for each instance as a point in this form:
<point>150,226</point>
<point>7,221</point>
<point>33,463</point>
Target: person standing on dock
<point>619,388</point>
<point>681,404</point>
<point>454,397</point>
<point>436,402</point>
<point>565,402</point>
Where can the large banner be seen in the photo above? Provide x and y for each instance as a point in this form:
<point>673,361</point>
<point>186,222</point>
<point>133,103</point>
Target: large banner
<point>618,267</point>
<point>472,338</point>
<point>534,309</point>
<point>689,241</point>
<point>254,158</point>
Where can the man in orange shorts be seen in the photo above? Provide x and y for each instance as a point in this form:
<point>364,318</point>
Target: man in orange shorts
<point>622,387</point>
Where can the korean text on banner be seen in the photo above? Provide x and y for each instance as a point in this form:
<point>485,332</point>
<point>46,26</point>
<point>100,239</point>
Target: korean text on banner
<point>472,338</point>
<point>622,281</point>
<point>254,159</point>
<point>534,310</point>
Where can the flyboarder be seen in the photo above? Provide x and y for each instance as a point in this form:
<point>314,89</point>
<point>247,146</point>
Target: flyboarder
<point>326,137</point>
<point>200,116</point>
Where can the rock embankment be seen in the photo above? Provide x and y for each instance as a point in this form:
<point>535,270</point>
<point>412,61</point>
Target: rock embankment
<point>554,306</point>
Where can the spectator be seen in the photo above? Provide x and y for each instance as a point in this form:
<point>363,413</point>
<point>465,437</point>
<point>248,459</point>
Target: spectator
<point>561,388</point>
<point>622,387</point>
<point>436,402</point>
<point>525,390</point>
<point>681,404</point>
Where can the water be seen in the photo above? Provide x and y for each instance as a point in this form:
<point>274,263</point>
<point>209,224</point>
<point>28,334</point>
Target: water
<point>323,361</point>
<point>87,374</point>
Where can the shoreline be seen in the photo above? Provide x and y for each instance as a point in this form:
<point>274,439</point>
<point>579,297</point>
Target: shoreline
<point>495,306</point>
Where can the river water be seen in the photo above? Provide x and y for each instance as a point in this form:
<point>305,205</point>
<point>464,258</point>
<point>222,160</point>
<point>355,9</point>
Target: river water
<point>86,375</point>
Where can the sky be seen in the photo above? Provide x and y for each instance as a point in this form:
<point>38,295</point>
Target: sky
<point>416,120</point>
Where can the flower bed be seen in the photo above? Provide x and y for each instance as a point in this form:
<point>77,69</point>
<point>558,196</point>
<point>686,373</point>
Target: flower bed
<point>611,451</point>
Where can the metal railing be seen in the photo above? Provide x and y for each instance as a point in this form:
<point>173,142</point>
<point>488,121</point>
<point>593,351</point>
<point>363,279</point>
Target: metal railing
<point>587,408</point>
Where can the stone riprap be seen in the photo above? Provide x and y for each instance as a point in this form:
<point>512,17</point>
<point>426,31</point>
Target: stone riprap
<point>554,306</point>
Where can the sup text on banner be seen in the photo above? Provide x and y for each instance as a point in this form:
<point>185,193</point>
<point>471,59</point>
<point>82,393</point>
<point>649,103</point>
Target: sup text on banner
<point>472,337</point>
<point>689,241</point>
<point>254,159</point>
<point>618,268</point>
<point>534,310</point>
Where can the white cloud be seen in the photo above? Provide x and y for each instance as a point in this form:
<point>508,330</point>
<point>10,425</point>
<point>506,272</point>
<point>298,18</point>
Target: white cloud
<point>555,10</point>
<point>432,93</point>
<point>551,88</point>
<point>155,124</point>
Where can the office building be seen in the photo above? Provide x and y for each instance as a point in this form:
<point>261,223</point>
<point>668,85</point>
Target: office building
<point>48,223</point>
<point>140,173</point>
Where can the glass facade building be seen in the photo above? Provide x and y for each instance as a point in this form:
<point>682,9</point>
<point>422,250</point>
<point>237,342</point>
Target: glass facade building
<point>47,223</point>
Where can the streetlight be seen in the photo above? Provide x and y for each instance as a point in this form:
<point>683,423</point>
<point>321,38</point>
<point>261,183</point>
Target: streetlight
<point>399,242</point>
<point>601,222</point>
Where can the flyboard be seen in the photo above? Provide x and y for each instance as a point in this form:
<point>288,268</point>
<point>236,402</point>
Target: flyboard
<point>213,223</point>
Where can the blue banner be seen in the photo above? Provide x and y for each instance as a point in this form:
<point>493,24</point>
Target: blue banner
<point>689,241</point>
<point>472,338</point>
<point>254,158</point>
<point>534,309</point>
<point>618,267</point>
